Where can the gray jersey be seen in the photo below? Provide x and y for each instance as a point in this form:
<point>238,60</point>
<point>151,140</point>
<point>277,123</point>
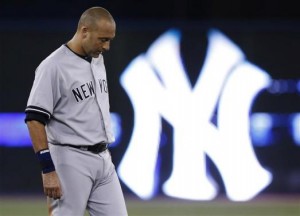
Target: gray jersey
<point>71,92</point>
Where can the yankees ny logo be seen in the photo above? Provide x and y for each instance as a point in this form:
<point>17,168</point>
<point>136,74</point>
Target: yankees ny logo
<point>158,87</point>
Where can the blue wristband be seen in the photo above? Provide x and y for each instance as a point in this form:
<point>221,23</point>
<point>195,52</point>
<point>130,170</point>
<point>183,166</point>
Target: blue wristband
<point>45,160</point>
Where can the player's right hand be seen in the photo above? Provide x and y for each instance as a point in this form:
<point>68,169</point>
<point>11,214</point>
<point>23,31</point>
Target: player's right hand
<point>51,185</point>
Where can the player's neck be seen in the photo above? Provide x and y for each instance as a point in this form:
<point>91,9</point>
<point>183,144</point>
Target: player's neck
<point>87,58</point>
<point>75,47</point>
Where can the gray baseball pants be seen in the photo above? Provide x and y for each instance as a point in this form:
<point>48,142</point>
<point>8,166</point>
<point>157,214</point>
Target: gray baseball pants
<point>89,182</point>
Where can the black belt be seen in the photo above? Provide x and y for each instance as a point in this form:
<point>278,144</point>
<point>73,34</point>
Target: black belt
<point>98,148</point>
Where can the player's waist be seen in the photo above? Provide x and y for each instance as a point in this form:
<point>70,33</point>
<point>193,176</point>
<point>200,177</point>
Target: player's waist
<point>97,148</point>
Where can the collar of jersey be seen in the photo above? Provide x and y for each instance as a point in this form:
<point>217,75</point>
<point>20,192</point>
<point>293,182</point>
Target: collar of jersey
<point>87,58</point>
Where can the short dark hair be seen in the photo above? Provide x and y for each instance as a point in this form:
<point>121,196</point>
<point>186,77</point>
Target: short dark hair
<point>93,14</point>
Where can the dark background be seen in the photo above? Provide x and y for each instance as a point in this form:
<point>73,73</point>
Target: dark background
<point>268,32</point>
<point>132,10</point>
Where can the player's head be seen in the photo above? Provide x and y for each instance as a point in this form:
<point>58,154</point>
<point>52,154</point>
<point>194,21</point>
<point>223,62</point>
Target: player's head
<point>96,28</point>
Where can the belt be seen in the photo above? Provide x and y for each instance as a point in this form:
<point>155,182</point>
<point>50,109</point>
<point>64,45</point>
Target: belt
<point>97,148</point>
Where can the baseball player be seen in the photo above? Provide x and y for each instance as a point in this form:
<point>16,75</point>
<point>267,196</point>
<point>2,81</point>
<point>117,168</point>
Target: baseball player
<point>68,118</point>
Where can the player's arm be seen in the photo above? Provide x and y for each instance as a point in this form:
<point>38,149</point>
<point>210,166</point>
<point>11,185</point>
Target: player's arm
<point>43,97</point>
<point>38,136</point>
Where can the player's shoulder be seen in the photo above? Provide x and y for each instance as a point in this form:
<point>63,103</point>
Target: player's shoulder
<point>56,56</point>
<point>50,63</point>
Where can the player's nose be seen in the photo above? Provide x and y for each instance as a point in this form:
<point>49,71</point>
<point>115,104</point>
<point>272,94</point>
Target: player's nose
<point>106,46</point>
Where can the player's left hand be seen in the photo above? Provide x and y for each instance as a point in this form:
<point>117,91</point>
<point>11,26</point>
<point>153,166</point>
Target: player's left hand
<point>52,186</point>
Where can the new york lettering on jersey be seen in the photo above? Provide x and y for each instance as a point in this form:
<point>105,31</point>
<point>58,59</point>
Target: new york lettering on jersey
<point>87,90</point>
<point>84,91</point>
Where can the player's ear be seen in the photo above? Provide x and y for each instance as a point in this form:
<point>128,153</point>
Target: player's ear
<point>84,31</point>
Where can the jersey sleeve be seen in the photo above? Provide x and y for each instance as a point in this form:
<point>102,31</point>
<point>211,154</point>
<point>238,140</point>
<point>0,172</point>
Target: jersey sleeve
<point>44,94</point>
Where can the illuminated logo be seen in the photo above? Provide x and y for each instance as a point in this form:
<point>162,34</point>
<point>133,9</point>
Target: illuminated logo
<point>159,87</point>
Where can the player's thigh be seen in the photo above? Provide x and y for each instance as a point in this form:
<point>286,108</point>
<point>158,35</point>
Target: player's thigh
<point>108,199</point>
<point>75,181</point>
<point>75,189</point>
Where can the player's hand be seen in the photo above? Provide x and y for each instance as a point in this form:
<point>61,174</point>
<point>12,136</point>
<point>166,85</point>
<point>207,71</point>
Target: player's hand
<point>52,186</point>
